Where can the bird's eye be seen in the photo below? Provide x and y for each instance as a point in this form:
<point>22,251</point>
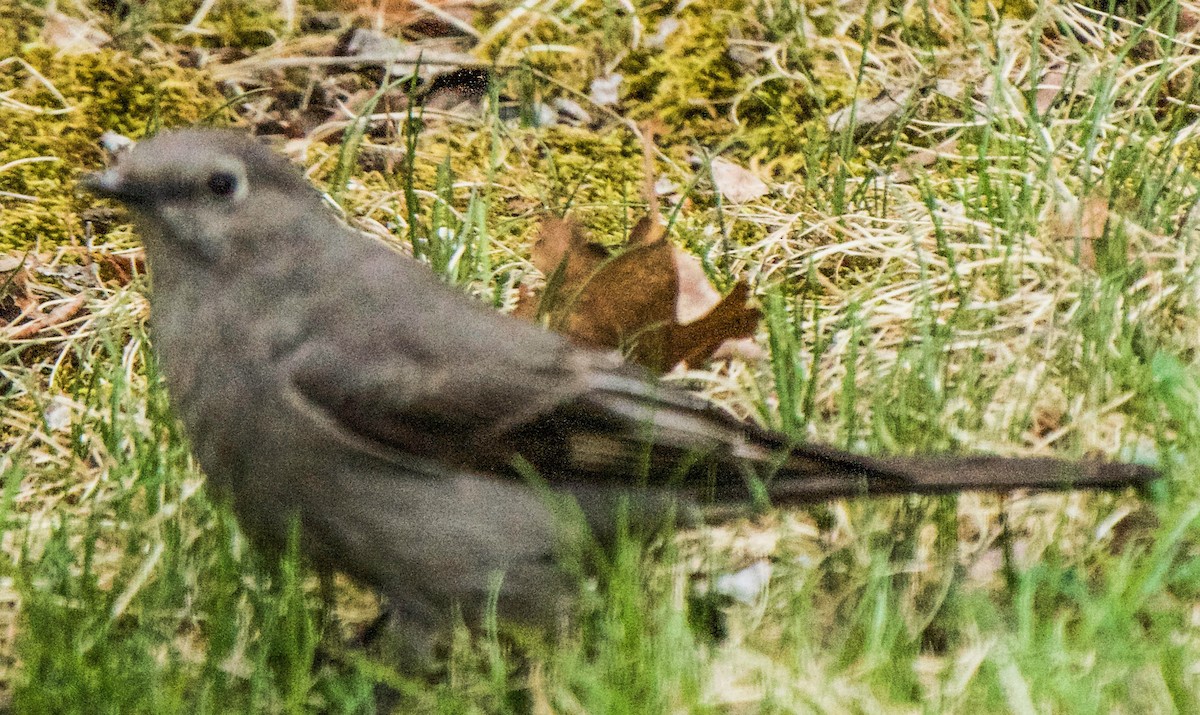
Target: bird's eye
<point>223,184</point>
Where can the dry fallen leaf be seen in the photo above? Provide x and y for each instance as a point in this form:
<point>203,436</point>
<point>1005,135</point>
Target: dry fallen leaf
<point>601,300</point>
<point>631,300</point>
<point>870,112</point>
<point>1084,220</point>
<point>628,303</point>
<point>1050,87</point>
<point>72,36</point>
<point>697,297</point>
<point>737,184</point>
<point>562,245</point>
<point>17,300</point>
<point>731,319</point>
<point>652,299</point>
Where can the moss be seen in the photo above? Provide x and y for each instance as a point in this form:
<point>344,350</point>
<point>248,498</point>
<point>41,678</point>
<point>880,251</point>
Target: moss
<point>778,125</point>
<point>526,48</point>
<point>109,91</point>
<point>245,25</point>
<point>19,24</point>
<point>691,80</point>
<point>598,177</point>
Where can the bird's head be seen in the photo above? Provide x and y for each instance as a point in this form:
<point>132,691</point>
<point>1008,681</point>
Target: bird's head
<point>204,194</point>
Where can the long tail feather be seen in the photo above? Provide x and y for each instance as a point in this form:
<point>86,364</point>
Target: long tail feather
<point>640,423</point>
<point>816,473</point>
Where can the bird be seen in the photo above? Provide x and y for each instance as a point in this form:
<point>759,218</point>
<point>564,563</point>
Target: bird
<point>424,442</point>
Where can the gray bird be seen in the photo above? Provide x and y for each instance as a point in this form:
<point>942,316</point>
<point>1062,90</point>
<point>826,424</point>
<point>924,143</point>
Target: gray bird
<point>323,376</point>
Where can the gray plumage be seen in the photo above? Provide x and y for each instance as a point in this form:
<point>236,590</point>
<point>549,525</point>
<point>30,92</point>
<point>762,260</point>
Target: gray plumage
<point>323,375</point>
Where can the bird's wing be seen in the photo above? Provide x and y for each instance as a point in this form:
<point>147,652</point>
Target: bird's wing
<point>453,410</point>
<point>582,416</point>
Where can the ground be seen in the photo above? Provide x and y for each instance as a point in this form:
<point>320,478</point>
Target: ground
<point>971,228</point>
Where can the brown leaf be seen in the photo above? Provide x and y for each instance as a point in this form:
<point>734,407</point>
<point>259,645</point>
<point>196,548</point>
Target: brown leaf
<point>731,319</point>
<point>527,304</point>
<point>556,237</point>
<point>630,301</point>
<point>696,295</point>
<point>746,349</point>
<point>17,301</point>
<point>649,229</point>
<point>639,299</point>
<point>563,248</point>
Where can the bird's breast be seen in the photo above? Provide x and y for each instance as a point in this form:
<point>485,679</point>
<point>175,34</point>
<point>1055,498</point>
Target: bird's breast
<point>221,355</point>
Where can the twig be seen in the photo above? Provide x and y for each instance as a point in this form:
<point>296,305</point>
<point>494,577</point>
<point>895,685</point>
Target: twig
<point>61,314</point>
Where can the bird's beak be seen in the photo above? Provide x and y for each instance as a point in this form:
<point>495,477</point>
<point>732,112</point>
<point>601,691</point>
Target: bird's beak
<point>111,184</point>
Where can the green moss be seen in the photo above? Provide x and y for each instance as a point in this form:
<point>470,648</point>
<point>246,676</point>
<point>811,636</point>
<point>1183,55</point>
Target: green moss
<point>19,24</point>
<point>596,176</point>
<point>108,91</point>
<point>690,81</point>
<point>246,25</point>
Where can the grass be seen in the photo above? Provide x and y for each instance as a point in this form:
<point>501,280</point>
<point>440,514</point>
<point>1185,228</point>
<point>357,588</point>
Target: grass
<point>1032,289</point>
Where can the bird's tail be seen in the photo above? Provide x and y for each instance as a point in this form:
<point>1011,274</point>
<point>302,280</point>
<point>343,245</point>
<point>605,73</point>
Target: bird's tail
<point>645,423</point>
<point>813,473</point>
